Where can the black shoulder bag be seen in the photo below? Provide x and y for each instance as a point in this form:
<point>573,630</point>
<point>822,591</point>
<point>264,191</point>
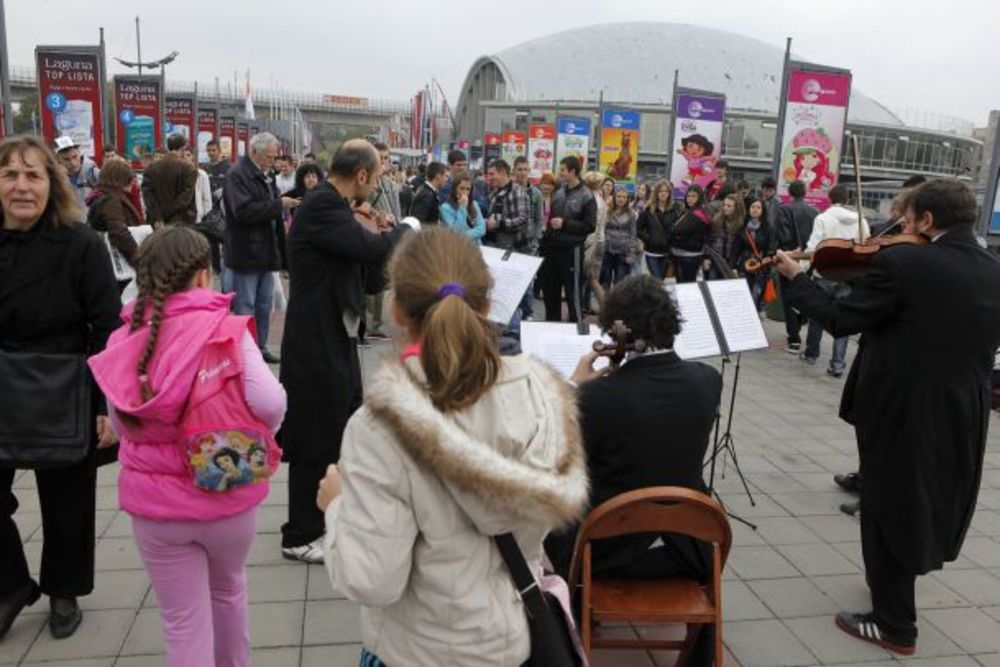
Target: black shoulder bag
<point>551,641</point>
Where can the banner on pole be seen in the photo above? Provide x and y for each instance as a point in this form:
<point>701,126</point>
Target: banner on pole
<point>697,144</point>
<point>182,114</point>
<point>813,133</point>
<point>619,156</point>
<point>208,129</point>
<point>573,138</point>
<point>139,116</point>
<point>71,96</point>
<point>491,149</point>
<point>242,136</point>
<point>513,144</point>
<point>541,150</point>
<point>227,137</point>
<point>465,146</point>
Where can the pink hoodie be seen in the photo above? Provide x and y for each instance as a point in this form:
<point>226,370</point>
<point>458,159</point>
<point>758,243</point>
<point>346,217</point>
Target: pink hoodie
<point>156,480</point>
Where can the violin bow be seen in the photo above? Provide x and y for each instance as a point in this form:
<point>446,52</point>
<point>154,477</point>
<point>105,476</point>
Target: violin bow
<point>857,180</point>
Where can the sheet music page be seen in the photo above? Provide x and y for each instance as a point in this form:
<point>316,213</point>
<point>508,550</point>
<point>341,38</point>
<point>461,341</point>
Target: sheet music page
<point>511,278</point>
<point>697,337</point>
<point>737,315</point>
<point>559,345</point>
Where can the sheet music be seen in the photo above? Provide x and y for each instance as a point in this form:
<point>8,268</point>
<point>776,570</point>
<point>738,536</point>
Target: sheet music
<point>123,270</point>
<point>697,337</point>
<point>511,278</point>
<point>737,314</point>
<point>559,344</point>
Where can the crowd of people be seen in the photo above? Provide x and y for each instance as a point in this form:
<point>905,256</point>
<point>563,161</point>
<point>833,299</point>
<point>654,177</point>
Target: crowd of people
<point>403,488</point>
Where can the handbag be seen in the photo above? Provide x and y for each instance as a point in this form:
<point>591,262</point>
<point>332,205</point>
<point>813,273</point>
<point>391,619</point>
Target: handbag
<point>213,225</point>
<point>46,417</point>
<point>553,637</point>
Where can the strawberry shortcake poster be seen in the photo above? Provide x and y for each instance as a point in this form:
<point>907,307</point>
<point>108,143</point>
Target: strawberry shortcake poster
<point>813,133</point>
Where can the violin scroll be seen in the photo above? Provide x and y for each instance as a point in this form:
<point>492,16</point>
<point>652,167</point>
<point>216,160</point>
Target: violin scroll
<point>623,343</point>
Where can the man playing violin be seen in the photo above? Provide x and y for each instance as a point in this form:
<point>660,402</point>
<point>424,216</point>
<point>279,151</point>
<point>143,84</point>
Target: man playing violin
<point>646,424</point>
<point>917,395</point>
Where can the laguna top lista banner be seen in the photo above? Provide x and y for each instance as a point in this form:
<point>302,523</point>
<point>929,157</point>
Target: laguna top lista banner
<point>697,139</point>
<point>573,138</point>
<point>71,96</point>
<point>208,129</point>
<point>227,137</point>
<point>620,146</point>
<point>812,135</point>
<point>140,115</point>
<point>182,114</point>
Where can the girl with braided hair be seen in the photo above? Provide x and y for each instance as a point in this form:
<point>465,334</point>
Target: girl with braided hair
<point>183,379</point>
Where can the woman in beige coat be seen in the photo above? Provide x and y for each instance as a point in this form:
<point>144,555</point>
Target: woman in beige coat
<point>454,445</point>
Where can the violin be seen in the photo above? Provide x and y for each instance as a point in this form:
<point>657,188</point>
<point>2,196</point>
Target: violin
<point>367,217</point>
<point>624,342</point>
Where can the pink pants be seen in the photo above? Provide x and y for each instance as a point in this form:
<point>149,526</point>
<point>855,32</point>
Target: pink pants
<point>197,570</point>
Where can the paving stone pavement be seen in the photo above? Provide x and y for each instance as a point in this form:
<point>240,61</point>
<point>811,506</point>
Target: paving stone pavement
<point>782,583</point>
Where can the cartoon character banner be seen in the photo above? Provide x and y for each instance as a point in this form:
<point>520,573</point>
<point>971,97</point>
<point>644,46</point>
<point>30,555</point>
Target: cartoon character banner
<point>514,144</point>
<point>697,139</point>
<point>573,138</point>
<point>71,96</point>
<point>813,133</point>
<point>140,116</point>
<point>491,148</point>
<point>619,157</point>
<point>541,150</point>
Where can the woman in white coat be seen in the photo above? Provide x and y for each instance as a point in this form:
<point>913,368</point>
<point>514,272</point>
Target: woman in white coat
<point>453,445</point>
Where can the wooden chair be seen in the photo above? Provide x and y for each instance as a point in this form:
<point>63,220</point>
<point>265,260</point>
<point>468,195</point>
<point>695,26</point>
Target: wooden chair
<point>661,509</point>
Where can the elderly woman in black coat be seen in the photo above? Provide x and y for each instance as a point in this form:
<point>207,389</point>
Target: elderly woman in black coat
<point>58,296</point>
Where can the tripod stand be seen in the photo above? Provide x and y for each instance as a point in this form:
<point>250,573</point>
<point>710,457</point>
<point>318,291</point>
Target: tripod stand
<point>726,445</point>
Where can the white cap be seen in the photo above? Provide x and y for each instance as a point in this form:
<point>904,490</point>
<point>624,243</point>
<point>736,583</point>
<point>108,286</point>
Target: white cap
<point>412,222</point>
<point>65,143</point>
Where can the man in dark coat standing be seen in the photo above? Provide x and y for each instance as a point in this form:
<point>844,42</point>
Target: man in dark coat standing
<point>794,227</point>
<point>333,261</point>
<point>918,395</point>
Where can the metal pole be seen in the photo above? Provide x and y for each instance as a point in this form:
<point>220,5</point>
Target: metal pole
<point>8,118</point>
<point>600,130</point>
<point>138,45</point>
<point>105,129</point>
<point>776,162</point>
<point>669,162</point>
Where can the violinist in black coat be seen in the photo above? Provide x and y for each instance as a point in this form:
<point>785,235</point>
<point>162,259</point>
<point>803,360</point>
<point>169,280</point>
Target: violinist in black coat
<point>918,395</point>
<point>333,261</point>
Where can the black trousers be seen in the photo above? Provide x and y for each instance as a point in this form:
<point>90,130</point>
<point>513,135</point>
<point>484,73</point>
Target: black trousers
<point>793,321</point>
<point>67,497</point>
<point>305,522</point>
<point>892,587</point>
<point>556,276</point>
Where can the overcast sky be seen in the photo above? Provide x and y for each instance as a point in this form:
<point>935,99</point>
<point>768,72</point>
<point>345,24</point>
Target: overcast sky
<point>940,56</point>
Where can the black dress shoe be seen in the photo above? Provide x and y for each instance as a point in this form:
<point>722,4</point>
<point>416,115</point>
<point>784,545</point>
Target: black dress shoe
<point>849,482</point>
<point>12,605</point>
<point>64,617</point>
<point>850,509</point>
<point>864,627</point>
<point>270,357</point>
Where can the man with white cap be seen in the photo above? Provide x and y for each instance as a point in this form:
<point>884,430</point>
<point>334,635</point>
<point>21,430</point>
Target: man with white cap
<point>82,171</point>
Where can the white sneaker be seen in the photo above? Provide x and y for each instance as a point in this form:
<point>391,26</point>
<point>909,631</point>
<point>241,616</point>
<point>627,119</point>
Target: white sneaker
<point>307,553</point>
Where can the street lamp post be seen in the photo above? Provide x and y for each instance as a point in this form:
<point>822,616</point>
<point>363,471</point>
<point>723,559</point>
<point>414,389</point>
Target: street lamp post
<point>152,64</point>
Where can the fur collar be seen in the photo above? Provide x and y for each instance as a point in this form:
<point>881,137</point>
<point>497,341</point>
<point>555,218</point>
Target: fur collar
<point>552,496</point>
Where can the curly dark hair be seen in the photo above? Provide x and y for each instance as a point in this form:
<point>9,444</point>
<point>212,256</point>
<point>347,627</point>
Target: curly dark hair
<point>645,307</point>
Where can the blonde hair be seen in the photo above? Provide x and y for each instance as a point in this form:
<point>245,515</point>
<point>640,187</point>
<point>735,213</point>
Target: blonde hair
<point>63,208</point>
<point>593,180</point>
<point>458,348</point>
<point>653,201</point>
<point>732,223</point>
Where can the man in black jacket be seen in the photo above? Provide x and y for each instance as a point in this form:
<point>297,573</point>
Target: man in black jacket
<point>647,424</point>
<point>795,224</point>
<point>574,217</point>
<point>255,234</point>
<point>333,262</point>
<point>426,204</point>
<point>918,396</point>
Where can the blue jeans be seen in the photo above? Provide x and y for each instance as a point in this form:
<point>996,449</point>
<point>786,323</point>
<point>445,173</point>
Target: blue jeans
<point>657,266</point>
<point>254,296</point>
<point>815,333</point>
<point>614,269</point>
<point>528,302</point>
<point>687,268</point>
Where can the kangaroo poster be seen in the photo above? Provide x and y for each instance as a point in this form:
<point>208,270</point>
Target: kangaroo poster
<point>697,139</point>
<point>812,135</point>
<point>619,156</point>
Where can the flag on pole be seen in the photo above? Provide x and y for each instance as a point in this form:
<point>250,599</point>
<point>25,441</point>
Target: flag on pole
<point>248,110</point>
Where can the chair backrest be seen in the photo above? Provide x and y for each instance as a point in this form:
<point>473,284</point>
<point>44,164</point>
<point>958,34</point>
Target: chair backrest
<point>657,509</point>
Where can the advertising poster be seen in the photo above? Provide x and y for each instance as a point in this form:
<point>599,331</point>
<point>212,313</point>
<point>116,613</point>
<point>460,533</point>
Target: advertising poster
<point>513,144</point>
<point>573,138</point>
<point>208,129</point>
<point>242,137</point>
<point>619,156</point>
<point>71,95</point>
<point>139,116</point>
<point>227,137</point>
<point>995,215</point>
<point>541,150</point>
<point>491,149</point>
<point>465,146</point>
<point>182,112</point>
<point>476,157</point>
<point>813,132</point>
<point>697,143</point>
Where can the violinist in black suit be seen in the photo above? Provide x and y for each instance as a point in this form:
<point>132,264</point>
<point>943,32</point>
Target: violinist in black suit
<point>646,424</point>
<point>918,395</point>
